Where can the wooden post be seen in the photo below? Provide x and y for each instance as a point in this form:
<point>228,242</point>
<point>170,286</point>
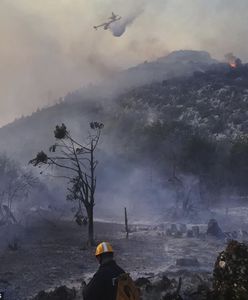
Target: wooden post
<point>126,223</point>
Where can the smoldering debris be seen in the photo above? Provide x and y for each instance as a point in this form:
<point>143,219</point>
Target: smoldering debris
<point>229,280</point>
<point>60,293</point>
<point>172,255</point>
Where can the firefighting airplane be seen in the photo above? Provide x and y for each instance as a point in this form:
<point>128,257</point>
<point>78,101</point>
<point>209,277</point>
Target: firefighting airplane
<point>112,19</point>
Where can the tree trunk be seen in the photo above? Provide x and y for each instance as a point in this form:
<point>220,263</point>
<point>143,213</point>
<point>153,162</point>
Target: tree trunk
<point>126,224</point>
<point>91,202</point>
<point>91,241</point>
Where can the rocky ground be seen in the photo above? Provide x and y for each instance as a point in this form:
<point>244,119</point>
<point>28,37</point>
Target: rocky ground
<point>48,256</point>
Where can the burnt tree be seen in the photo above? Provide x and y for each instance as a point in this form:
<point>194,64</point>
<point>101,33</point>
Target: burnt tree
<point>77,160</point>
<point>126,223</point>
<point>15,184</point>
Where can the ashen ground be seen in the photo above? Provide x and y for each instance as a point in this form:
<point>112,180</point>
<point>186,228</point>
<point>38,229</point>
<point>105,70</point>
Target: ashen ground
<point>50,256</point>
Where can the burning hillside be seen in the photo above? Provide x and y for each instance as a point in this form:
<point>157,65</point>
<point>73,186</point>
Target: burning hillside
<point>232,60</point>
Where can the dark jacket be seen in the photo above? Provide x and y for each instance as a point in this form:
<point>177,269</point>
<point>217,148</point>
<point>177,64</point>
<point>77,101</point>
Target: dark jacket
<point>103,286</point>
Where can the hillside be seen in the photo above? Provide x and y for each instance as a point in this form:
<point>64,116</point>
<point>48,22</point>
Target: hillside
<point>92,100</point>
<point>193,124</point>
<point>175,64</point>
<point>196,125</point>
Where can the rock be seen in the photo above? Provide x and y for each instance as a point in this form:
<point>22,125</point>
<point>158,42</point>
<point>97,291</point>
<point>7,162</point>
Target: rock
<point>189,286</point>
<point>189,233</point>
<point>13,245</point>
<point>173,228</point>
<point>187,262</point>
<point>161,227</point>
<point>202,235</point>
<point>244,235</point>
<point>164,283</point>
<point>142,281</point>
<point>182,228</point>
<point>173,231</point>
<point>159,286</point>
<point>172,296</point>
<point>214,229</point>
<point>60,293</point>
<point>177,234</point>
<point>196,231</point>
<point>231,273</point>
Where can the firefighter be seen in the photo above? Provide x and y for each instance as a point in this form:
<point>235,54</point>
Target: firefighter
<point>103,284</point>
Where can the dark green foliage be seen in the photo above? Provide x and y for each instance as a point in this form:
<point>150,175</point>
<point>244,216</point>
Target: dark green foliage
<point>96,125</point>
<point>231,273</point>
<point>185,144</point>
<point>60,132</point>
<point>41,158</point>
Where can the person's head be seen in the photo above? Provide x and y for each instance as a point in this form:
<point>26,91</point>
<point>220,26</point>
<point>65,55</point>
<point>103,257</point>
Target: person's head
<point>104,252</point>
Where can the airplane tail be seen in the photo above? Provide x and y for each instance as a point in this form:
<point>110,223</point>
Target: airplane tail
<point>95,27</point>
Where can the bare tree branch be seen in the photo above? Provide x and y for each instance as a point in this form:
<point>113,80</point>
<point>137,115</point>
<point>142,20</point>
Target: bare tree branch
<point>79,162</point>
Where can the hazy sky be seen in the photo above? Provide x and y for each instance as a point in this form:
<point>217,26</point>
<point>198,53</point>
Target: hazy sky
<point>49,47</point>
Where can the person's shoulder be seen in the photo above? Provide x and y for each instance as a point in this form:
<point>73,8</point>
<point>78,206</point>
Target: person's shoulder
<point>110,267</point>
<point>119,268</point>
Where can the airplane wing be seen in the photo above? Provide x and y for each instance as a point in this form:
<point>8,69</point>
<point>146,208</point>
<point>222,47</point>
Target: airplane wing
<point>101,25</point>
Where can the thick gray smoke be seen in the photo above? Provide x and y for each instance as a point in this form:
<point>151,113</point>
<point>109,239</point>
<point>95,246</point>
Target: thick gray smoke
<point>48,49</point>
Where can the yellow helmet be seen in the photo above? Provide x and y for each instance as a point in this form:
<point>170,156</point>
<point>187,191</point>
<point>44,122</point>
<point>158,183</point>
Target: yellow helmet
<point>104,247</point>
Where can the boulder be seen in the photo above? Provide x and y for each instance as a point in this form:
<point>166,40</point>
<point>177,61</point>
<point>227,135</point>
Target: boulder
<point>142,281</point>
<point>161,227</point>
<point>164,284</point>
<point>173,232</point>
<point>196,231</point>
<point>177,234</point>
<point>214,230</point>
<point>159,288</point>
<point>244,235</point>
<point>174,228</point>
<point>190,233</point>
<point>182,228</point>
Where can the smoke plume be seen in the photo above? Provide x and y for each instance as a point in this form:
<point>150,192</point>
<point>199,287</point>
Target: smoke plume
<point>48,49</point>
<point>118,28</point>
